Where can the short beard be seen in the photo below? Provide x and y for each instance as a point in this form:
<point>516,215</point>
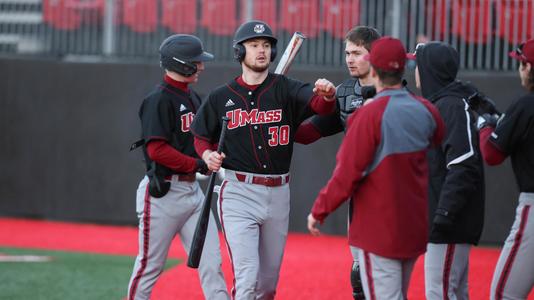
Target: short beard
<point>258,69</point>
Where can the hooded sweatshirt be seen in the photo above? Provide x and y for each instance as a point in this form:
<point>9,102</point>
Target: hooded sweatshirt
<point>456,185</point>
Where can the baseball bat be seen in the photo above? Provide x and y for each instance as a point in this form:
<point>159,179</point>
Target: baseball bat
<point>201,229</point>
<point>290,53</point>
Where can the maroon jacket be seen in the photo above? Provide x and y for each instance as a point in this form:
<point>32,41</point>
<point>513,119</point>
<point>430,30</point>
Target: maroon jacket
<point>388,176</point>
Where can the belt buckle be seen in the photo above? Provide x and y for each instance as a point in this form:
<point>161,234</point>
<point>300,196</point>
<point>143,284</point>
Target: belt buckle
<point>270,181</point>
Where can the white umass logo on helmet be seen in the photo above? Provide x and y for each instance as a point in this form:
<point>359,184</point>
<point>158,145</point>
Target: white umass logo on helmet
<point>259,28</point>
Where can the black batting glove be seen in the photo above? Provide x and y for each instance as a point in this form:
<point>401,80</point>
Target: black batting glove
<point>202,167</point>
<point>443,220</point>
<point>482,104</point>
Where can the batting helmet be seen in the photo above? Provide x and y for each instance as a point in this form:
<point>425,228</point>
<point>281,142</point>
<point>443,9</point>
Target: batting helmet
<point>179,52</point>
<point>251,30</point>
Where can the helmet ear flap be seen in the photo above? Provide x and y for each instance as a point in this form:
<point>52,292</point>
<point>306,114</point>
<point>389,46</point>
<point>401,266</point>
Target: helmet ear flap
<point>239,52</point>
<point>273,51</point>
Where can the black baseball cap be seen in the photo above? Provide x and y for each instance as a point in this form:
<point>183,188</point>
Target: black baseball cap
<point>186,47</point>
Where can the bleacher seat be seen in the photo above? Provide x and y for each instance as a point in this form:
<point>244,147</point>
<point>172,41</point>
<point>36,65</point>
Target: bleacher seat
<point>219,16</point>
<point>179,16</point>
<point>300,15</point>
<point>470,20</point>
<point>70,14</point>
<point>339,16</point>
<point>513,17</point>
<point>60,15</point>
<point>264,10</point>
<point>140,15</point>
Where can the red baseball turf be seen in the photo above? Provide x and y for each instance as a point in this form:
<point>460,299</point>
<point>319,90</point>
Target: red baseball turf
<point>313,267</point>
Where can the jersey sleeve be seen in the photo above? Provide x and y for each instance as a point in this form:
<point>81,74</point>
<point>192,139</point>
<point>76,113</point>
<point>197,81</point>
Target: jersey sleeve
<point>157,119</point>
<point>328,125</point>
<point>206,123</point>
<point>300,95</point>
<point>512,127</point>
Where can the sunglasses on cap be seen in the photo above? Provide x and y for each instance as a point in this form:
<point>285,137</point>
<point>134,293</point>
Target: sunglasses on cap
<point>519,52</point>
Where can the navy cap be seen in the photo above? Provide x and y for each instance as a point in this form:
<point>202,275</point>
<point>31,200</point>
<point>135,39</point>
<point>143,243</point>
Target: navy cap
<point>186,47</point>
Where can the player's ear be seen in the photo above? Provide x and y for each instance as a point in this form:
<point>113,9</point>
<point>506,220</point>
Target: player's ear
<point>373,72</point>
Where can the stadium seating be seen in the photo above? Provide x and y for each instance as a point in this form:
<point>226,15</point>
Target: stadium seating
<point>70,14</point>
<point>300,15</point>
<point>515,19</point>
<point>470,20</point>
<point>264,10</point>
<point>140,15</point>
<point>179,16</point>
<point>340,15</point>
<point>219,16</point>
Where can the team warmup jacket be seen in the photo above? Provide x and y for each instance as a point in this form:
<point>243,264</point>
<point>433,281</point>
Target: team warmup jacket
<point>388,178</point>
<point>456,166</point>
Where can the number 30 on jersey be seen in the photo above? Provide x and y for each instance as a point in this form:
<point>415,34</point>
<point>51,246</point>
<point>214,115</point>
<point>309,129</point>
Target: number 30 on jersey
<point>279,135</point>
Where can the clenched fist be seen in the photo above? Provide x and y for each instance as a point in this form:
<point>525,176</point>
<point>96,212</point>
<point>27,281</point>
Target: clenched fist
<point>325,88</point>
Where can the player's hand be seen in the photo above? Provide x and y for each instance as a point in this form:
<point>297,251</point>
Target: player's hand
<point>213,159</point>
<point>312,225</point>
<point>202,167</point>
<point>325,88</point>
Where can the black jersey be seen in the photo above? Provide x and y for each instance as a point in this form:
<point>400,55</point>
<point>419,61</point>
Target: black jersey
<point>166,114</point>
<point>514,136</point>
<point>262,122</point>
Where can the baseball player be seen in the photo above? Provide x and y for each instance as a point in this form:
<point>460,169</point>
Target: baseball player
<point>388,179</point>
<point>456,193</point>
<point>169,199</point>
<point>513,135</point>
<point>264,110</point>
<point>349,98</point>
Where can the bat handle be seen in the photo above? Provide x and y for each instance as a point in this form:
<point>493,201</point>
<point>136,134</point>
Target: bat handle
<point>225,121</point>
<point>201,228</point>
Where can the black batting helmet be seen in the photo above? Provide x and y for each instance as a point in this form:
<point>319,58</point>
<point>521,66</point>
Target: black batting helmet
<point>250,30</point>
<point>179,52</point>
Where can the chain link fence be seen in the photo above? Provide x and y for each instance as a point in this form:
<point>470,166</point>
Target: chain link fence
<point>483,31</point>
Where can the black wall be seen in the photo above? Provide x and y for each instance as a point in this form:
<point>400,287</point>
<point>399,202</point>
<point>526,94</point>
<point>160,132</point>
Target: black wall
<point>65,129</point>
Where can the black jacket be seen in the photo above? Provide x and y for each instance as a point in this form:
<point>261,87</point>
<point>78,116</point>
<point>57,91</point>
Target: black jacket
<point>456,187</point>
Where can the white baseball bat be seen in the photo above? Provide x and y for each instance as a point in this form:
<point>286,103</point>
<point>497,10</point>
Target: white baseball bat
<point>289,54</point>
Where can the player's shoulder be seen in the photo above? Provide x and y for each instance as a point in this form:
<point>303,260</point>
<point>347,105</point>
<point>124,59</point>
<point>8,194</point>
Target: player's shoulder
<point>282,79</point>
<point>222,90</point>
<point>349,82</point>
<point>156,95</point>
<point>526,101</point>
<point>524,106</point>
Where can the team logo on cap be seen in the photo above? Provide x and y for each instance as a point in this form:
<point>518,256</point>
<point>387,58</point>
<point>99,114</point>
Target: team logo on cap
<point>259,28</point>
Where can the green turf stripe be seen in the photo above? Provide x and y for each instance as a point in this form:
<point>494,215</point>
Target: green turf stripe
<point>68,275</point>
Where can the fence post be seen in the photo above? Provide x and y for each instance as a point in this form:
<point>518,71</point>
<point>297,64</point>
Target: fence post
<point>250,10</point>
<point>109,28</point>
<point>396,19</point>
